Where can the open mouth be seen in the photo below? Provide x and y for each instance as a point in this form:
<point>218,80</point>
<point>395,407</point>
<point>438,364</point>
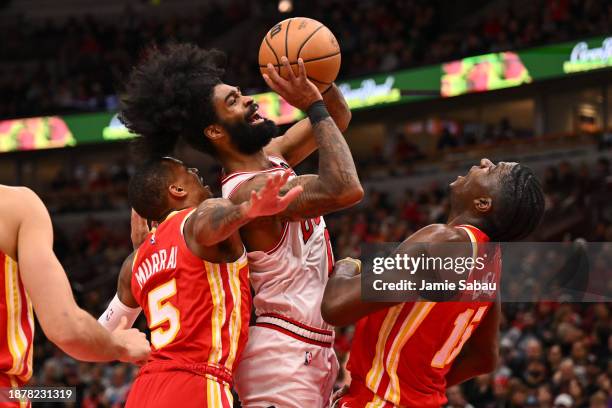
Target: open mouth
<point>255,118</point>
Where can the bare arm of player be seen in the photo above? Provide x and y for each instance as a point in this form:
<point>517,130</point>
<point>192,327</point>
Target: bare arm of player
<point>337,184</point>
<point>480,354</point>
<point>139,229</point>
<point>123,305</point>
<point>299,141</point>
<point>216,219</point>
<point>71,328</point>
<point>342,304</point>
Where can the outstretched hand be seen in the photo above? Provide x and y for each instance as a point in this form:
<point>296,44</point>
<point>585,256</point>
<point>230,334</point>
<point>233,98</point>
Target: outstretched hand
<point>267,201</point>
<point>298,90</point>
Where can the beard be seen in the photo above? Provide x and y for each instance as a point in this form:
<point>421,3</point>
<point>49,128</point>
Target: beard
<point>249,139</point>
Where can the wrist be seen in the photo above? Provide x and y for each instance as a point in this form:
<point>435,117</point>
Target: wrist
<point>245,210</point>
<point>120,351</point>
<point>326,91</point>
<point>317,111</point>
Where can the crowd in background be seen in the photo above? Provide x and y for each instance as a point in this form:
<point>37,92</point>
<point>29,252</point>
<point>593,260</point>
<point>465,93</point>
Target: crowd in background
<point>78,64</point>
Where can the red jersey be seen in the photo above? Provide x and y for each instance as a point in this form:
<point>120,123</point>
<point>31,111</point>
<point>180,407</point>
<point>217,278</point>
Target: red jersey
<point>16,326</point>
<point>401,355</point>
<point>198,311</point>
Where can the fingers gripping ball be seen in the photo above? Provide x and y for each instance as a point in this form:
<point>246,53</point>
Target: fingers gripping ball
<point>304,38</point>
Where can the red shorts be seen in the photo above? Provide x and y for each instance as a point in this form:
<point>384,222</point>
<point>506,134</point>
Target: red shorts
<point>178,388</point>
<point>359,396</point>
<point>7,382</point>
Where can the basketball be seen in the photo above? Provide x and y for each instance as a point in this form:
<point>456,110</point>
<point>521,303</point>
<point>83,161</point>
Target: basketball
<point>304,38</point>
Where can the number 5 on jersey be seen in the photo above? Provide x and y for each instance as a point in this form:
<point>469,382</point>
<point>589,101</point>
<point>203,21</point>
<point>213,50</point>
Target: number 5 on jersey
<point>161,313</point>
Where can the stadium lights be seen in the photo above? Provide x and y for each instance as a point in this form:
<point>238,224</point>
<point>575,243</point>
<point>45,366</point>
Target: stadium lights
<point>285,6</point>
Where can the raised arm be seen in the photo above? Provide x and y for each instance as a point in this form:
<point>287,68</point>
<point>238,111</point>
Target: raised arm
<point>337,184</point>
<point>299,141</point>
<point>216,219</point>
<point>64,323</point>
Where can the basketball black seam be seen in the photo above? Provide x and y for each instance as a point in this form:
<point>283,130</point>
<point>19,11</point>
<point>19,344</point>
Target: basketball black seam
<point>310,60</point>
<point>308,38</point>
<point>316,80</point>
<point>273,52</point>
<point>287,39</point>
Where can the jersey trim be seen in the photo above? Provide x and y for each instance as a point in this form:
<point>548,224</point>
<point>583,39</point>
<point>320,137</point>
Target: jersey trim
<point>375,373</point>
<point>295,329</point>
<point>182,228</point>
<point>254,173</point>
<point>296,323</point>
<point>215,281</point>
<point>235,325</point>
<point>19,321</point>
<point>280,241</point>
<point>468,230</point>
<point>239,173</point>
<point>411,323</point>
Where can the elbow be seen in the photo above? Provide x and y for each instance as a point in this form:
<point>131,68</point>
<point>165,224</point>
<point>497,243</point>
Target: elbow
<point>344,120</point>
<point>207,240</point>
<point>64,336</point>
<point>65,332</point>
<point>205,236</point>
<point>351,195</point>
<point>329,314</point>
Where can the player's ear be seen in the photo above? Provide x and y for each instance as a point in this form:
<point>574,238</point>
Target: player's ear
<point>213,132</point>
<point>177,191</point>
<point>483,204</point>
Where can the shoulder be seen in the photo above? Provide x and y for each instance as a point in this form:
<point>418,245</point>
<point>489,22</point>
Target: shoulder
<point>22,194</point>
<point>440,233</point>
<point>22,204</point>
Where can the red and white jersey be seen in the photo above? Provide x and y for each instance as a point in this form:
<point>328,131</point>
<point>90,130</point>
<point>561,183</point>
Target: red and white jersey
<point>16,326</point>
<point>290,278</point>
<point>198,311</point>
<point>401,355</point>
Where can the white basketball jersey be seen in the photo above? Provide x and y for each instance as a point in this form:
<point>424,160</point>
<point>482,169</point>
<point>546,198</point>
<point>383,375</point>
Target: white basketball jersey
<point>290,278</point>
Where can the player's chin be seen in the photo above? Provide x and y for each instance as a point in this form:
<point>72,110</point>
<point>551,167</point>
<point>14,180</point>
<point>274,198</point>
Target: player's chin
<point>458,181</point>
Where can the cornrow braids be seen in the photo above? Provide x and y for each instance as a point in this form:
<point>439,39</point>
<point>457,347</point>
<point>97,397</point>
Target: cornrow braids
<point>521,205</point>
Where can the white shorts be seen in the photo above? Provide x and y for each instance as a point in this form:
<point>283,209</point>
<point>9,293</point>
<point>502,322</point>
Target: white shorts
<point>277,369</point>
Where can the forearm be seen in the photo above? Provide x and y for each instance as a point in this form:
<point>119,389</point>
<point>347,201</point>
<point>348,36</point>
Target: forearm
<point>337,107</point>
<point>83,338</point>
<point>341,299</point>
<point>337,172</point>
<point>342,304</point>
<point>217,221</point>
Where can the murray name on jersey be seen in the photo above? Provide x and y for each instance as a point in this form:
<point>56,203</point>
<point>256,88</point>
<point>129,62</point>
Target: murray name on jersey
<point>159,261</point>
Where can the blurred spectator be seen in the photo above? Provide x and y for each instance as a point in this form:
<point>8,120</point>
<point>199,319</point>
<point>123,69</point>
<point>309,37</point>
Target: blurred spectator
<point>74,65</point>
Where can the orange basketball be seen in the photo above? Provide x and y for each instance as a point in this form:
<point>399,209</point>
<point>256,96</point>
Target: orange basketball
<point>305,38</point>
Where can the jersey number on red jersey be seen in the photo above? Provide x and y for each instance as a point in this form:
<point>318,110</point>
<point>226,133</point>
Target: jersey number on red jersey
<point>161,313</point>
<point>464,326</point>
